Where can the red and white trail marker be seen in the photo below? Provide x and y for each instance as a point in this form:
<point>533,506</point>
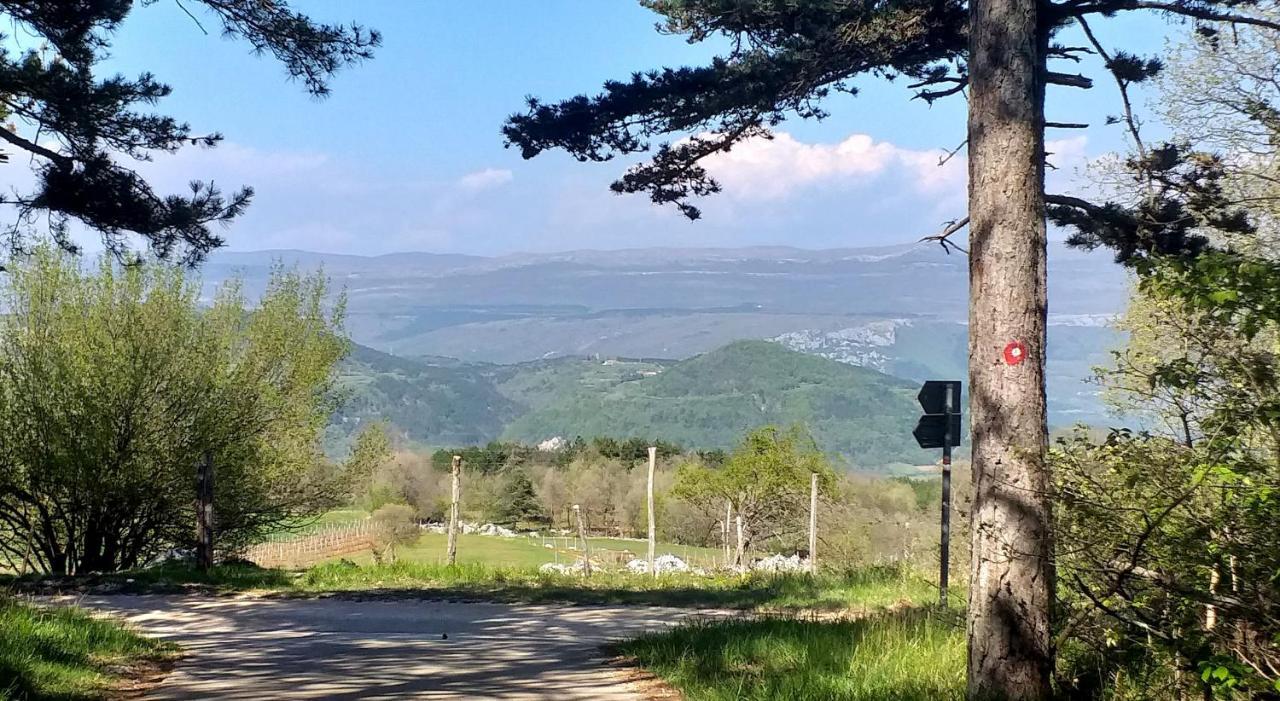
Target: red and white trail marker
<point>1014,353</point>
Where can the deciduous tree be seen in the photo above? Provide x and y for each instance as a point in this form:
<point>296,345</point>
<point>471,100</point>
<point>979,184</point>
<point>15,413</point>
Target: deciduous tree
<point>115,383</point>
<point>766,479</point>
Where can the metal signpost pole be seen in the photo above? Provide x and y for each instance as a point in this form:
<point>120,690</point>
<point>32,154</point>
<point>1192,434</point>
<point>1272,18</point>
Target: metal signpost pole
<point>952,403</point>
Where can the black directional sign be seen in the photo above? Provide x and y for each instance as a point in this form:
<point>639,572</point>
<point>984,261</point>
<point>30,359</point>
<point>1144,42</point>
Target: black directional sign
<point>940,400</point>
<point>933,396</point>
<point>931,430</point>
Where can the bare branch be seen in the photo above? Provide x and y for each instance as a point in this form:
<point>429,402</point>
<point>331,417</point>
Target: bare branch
<point>942,160</point>
<point>32,147</point>
<point>1069,80</point>
<point>942,237</point>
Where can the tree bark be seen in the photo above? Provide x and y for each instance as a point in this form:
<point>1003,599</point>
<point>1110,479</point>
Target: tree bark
<point>204,513</point>
<point>1011,581</point>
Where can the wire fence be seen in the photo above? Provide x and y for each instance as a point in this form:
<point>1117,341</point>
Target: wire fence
<point>299,551</point>
<point>296,550</point>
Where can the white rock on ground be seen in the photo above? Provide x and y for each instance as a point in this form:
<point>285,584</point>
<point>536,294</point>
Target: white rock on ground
<point>562,568</point>
<point>662,563</point>
<point>780,563</point>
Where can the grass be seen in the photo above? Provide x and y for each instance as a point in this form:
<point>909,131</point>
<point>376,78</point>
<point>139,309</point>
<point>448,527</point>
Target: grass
<point>525,551</point>
<point>65,653</point>
<point>905,655</point>
<point>472,548</point>
<point>861,590</point>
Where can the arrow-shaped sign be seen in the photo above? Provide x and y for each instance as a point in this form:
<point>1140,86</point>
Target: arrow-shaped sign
<point>934,394</point>
<point>940,400</point>
<point>931,430</point>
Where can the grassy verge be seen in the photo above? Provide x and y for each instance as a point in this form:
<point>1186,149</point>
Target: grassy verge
<point>906,655</point>
<point>64,653</point>
<point>524,551</point>
<point>862,590</point>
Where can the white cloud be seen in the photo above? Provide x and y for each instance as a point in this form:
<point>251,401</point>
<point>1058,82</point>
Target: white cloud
<point>1067,151</point>
<point>778,167</point>
<point>485,179</point>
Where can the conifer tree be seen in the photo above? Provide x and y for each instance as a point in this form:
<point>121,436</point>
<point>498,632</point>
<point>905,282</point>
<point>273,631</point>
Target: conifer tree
<point>784,58</point>
<point>80,130</point>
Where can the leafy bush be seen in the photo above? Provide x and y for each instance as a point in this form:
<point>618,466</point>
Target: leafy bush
<point>116,382</point>
<point>393,526</point>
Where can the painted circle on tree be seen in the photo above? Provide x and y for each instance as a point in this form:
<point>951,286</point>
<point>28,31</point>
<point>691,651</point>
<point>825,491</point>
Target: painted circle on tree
<point>1014,353</point>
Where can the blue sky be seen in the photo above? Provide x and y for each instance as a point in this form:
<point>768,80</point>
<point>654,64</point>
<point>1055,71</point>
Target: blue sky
<point>406,154</point>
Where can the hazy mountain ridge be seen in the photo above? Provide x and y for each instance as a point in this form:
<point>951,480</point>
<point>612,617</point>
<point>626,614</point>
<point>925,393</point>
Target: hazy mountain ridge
<point>679,302</point>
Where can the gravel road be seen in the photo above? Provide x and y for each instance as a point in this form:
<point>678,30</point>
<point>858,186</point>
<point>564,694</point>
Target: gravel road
<point>253,648</point>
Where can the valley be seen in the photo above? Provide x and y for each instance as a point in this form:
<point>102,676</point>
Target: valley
<point>460,350</point>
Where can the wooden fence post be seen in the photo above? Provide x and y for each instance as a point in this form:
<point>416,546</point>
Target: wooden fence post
<point>653,529</point>
<point>738,556</point>
<point>455,494</point>
<point>813,522</point>
<point>204,512</point>
<point>728,519</point>
<point>586,547</point>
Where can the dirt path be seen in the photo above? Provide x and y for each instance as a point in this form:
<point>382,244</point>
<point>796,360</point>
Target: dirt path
<point>244,648</point>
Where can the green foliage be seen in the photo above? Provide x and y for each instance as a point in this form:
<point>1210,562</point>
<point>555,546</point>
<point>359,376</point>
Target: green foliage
<point>80,131</point>
<point>710,400</point>
<point>519,501</point>
<point>911,655</point>
<point>394,527</point>
<point>61,652</point>
<point>428,403</point>
<point>370,452</point>
<point>115,383</point>
<point>623,407</point>
<point>1169,549</point>
<point>766,479</point>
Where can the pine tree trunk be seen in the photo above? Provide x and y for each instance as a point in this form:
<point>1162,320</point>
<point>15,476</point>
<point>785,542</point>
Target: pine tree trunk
<point>1012,575</point>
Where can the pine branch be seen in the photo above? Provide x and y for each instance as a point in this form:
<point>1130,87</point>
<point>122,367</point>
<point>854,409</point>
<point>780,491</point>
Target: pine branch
<point>1201,13</point>
<point>32,147</point>
<point>1075,203</point>
<point>1121,83</point>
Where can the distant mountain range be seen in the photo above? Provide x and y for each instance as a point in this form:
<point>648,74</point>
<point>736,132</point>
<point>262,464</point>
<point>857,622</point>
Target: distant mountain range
<point>708,401</point>
<point>900,310</point>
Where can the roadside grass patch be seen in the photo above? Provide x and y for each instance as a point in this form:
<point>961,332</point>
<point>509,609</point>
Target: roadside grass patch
<point>854,591</point>
<point>62,652</point>
<point>865,589</point>
<point>525,551</point>
<point>911,654</point>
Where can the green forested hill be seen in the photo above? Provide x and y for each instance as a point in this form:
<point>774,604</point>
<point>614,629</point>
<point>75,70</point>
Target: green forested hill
<point>710,400</point>
<point>433,401</point>
<point>707,401</point>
